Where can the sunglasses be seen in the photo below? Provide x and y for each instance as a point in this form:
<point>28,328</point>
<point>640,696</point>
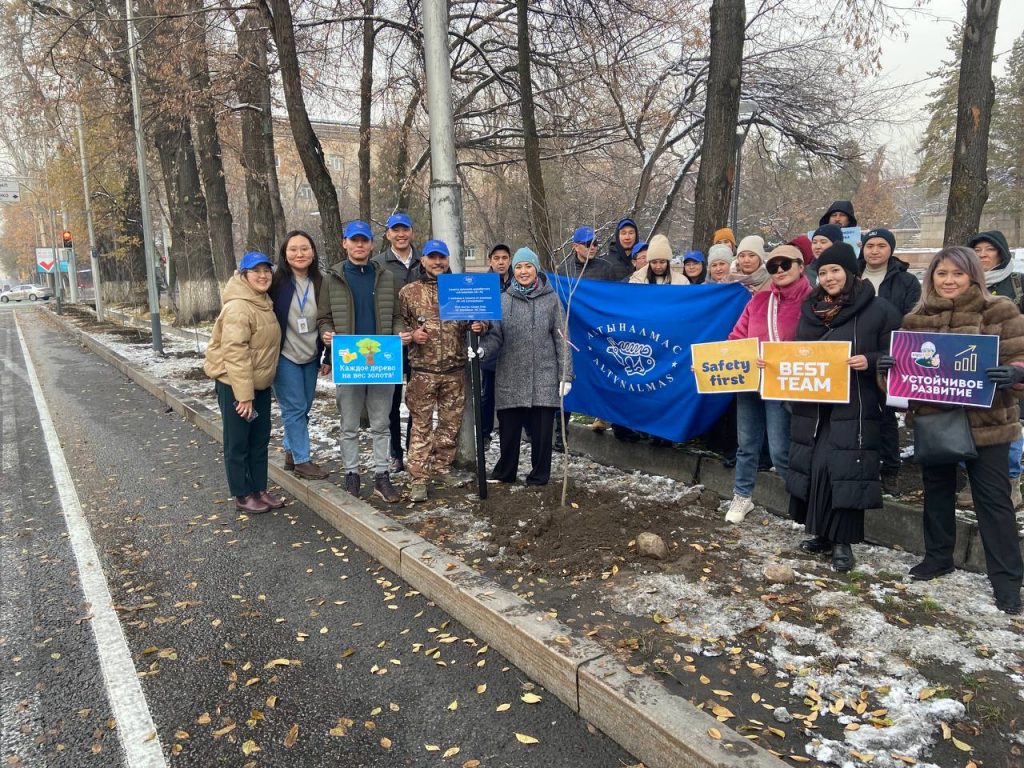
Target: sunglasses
<point>779,265</point>
<point>591,244</point>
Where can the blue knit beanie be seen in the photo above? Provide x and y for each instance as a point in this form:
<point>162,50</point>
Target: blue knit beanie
<point>525,254</point>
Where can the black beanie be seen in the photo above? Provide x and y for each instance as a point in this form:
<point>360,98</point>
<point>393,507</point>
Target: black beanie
<point>883,233</point>
<point>841,254</point>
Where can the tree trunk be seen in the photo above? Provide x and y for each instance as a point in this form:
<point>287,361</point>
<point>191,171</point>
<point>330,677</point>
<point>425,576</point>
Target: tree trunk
<point>365,106</point>
<point>539,221</point>
<point>125,281</point>
<point>402,194</point>
<point>310,152</point>
<point>718,149</point>
<point>968,187</point>
<point>253,79</point>
<point>198,294</point>
<point>211,167</point>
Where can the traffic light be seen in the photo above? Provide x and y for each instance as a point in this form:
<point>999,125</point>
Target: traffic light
<point>66,235</point>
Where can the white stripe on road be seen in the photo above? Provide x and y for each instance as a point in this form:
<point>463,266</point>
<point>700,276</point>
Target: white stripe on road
<point>134,722</point>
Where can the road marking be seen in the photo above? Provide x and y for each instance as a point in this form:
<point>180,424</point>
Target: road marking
<point>135,726</point>
<point>17,706</point>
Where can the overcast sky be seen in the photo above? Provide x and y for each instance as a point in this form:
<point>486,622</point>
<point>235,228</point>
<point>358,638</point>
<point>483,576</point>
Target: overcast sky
<point>909,61</point>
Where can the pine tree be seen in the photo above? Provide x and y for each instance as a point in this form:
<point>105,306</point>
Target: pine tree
<point>936,144</point>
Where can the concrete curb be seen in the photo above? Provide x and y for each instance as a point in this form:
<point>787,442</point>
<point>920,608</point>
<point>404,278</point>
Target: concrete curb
<point>661,729</point>
<point>896,525</point>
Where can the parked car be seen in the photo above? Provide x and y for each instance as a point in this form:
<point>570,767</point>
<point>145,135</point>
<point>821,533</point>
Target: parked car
<point>27,291</point>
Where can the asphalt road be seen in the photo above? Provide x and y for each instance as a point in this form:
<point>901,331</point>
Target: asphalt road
<point>264,641</point>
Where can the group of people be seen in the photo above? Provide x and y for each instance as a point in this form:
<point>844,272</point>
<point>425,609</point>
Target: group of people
<point>276,326</point>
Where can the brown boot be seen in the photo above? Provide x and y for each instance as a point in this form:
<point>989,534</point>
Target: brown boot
<point>251,504</point>
<point>273,502</point>
<point>289,460</point>
<point>383,488</point>
<point>310,471</point>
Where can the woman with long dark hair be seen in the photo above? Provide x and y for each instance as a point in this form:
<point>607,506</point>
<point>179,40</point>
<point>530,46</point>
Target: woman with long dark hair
<point>296,293</point>
<point>834,452</point>
<point>955,299</point>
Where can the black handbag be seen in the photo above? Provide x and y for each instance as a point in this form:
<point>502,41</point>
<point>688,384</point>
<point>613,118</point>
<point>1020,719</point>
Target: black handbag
<point>943,438</point>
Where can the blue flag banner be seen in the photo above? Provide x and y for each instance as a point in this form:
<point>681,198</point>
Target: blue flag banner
<point>631,351</point>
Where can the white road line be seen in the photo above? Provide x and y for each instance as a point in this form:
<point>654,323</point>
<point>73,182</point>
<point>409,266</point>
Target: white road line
<point>135,726</point>
<point>17,706</point>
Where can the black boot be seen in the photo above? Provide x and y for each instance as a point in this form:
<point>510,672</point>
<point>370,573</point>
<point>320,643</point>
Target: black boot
<point>842,558</point>
<point>816,546</point>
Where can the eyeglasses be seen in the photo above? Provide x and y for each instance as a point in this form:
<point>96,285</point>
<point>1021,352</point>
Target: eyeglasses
<point>779,265</point>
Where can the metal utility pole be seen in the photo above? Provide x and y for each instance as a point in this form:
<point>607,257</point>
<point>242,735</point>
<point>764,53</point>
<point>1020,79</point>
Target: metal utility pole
<point>57,279</point>
<point>140,156</point>
<point>445,191</point>
<point>94,261</point>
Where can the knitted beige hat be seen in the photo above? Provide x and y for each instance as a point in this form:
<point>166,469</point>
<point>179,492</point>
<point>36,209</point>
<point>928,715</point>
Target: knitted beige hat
<point>658,249</point>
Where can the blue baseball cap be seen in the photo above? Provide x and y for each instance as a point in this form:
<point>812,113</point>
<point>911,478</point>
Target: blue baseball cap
<point>626,222</point>
<point>694,256</point>
<point>583,235</point>
<point>641,246</point>
<point>357,228</point>
<point>252,259</point>
<point>435,246</point>
<point>399,219</point>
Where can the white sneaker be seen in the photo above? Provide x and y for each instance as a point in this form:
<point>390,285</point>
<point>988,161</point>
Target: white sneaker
<point>738,509</point>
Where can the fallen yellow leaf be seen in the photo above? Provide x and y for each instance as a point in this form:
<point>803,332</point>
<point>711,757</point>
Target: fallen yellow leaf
<point>961,745</point>
<point>481,688</point>
<point>714,733</point>
<point>249,747</point>
<point>502,707</point>
<point>385,742</point>
<point>530,698</point>
<point>450,752</point>
<point>292,736</point>
<point>432,747</point>
<point>453,706</point>
<point>522,738</point>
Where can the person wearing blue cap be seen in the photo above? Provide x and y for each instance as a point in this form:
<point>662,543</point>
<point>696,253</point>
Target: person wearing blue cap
<point>402,261</point>
<point>620,248</point>
<point>534,368</point>
<point>694,267</point>
<point>242,359</point>
<point>360,297</point>
<point>437,359</point>
<point>583,261</point>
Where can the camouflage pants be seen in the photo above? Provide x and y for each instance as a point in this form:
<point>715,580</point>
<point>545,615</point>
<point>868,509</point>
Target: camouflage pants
<point>432,449</point>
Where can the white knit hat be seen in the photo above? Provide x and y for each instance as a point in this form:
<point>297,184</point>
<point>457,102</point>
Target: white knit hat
<point>752,243</point>
<point>720,252</point>
<point>659,249</point>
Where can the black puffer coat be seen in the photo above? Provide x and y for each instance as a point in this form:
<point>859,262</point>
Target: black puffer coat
<point>867,322</point>
<point>899,287</point>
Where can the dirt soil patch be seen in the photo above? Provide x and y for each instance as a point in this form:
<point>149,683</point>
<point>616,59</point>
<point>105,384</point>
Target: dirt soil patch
<point>596,527</point>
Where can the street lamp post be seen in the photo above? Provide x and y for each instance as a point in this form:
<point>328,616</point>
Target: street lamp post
<point>748,111</point>
<point>140,156</point>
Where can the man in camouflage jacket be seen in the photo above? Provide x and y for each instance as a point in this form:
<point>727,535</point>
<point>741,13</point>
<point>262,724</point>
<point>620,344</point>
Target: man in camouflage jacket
<point>437,359</point>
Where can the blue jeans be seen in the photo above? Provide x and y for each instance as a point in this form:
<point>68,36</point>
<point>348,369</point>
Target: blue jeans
<point>753,415</point>
<point>294,386</point>
<point>1015,450</point>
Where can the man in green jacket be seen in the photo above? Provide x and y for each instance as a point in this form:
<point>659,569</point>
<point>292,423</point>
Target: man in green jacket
<point>360,297</point>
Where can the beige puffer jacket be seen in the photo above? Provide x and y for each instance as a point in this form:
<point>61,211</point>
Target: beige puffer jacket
<point>246,341</point>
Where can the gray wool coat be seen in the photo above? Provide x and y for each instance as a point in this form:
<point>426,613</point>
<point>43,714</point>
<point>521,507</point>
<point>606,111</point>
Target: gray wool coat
<point>529,349</point>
